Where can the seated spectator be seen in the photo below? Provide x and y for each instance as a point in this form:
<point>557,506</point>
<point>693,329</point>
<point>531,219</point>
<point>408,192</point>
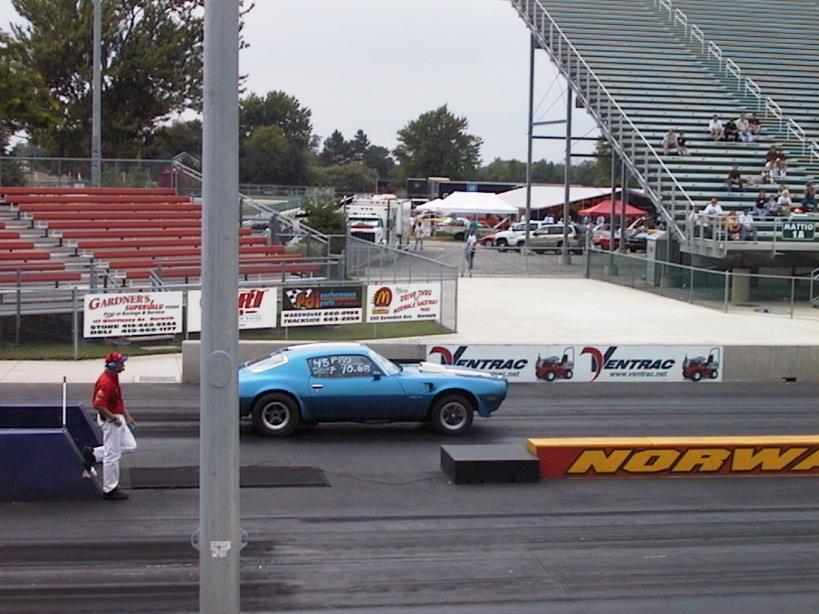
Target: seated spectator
<point>732,226</point>
<point>809,198</point>
<point>764,177</point>
<point>780,169</point>
<point>760,208</point>
<point>755,125</point>
<point>773,153</point>
<point>716,128</point>
<point>747,228</point>
<point>681,144</point>
<point>712,215</point>
<point>743,128</point>
<point>735,179</point>
<point>696,220</point>
<point>730,133</point>
<point>784,203</point>
<point>772,206</point>
<point>670,142</point>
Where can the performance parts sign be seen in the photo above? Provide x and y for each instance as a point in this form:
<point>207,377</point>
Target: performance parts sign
<point>403,302</point>
<point>257,309</point>
<point>132,314</point>
<point>586,363</point>
<point>325,305</point>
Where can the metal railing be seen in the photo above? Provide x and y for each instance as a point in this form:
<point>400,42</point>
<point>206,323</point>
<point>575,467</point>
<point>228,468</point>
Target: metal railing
<point>76,172</point>
<point>777,294</point>
<point>647,166</point>
<point>745,85</point>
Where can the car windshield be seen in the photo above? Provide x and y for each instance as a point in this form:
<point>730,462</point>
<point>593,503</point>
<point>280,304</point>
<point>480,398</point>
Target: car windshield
<point>386,365</point>
<point>264,363</point>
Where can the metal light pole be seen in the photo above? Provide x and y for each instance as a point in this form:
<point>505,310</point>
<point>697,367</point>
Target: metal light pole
<point>219,533</point>
<point>96,98</point>
<point>565,258</point>
<point>530,132</point>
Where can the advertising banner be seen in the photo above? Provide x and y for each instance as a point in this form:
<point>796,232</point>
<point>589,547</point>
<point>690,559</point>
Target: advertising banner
<point>130,314</point>
<point>325,305</point>
<point>559,363</point>
<point>403,302</point>
<point>257,309</point>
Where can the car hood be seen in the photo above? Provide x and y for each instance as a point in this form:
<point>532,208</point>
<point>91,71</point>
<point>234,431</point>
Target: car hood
<point>431,368</point>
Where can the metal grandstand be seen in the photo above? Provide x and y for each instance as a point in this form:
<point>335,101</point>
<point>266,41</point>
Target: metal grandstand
<point>640,67</point>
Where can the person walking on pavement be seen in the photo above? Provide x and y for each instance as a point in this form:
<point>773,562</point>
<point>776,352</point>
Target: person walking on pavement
<point>115,422</point>
<point>469,252</point>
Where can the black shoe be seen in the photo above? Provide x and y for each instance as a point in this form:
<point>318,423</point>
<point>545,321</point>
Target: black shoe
<point>115,495</point>
<point>88,459</point>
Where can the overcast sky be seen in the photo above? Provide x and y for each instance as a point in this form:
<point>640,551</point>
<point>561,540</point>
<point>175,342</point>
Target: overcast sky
<point>377,64</point>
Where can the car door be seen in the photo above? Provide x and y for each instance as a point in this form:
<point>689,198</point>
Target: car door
<point>351,387</point>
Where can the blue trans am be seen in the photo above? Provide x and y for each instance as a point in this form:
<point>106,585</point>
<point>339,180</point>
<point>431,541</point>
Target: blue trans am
<point>349,382</point>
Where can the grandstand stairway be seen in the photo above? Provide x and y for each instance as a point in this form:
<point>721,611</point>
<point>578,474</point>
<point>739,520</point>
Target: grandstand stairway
<point>638,72</point>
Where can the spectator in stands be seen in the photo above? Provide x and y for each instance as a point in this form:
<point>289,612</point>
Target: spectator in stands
<point>747,227</point>
<point>743,128</point>
<point>682,149</point>
<point>713,214</point>
<point>735,179</point>
<point>773,153</point>
<point>764,176</point>
<point>760,205</point>
<point>730,133</point>
<point>809,198</point>
<point>784,203</point>
<point>732,226</point>
<point>772,206</point>
<point>780,169</point>
<point>755,126</point>
<point>695,222</point>
<point>670,142</point>
<point>716,128</point>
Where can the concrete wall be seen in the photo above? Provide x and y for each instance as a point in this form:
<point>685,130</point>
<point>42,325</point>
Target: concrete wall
<point>740,363</point>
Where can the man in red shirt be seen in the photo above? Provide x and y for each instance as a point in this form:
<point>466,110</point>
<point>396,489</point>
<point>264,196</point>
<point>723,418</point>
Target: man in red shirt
<point>115,422</point>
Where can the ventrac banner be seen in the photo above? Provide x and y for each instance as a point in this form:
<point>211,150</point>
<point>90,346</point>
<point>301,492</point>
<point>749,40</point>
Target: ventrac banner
<point>130,314</point>
<point>403,302</point>
<point>325,305</point>
<point>257,309</point>
<point>584,363</point>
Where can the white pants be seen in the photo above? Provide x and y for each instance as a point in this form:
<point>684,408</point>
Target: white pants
<point>116,441</point>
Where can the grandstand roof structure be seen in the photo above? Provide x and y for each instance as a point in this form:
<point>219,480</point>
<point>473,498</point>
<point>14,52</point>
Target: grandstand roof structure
<point>643,67</point>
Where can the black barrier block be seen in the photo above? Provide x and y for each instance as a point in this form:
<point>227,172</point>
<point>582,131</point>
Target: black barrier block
<point>495,463</point>
<point>256,476</point>
<point>50,417</point>
<point>42,465</point>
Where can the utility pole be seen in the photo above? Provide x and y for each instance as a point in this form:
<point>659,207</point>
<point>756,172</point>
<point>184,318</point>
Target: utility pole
<point>565,258</point>
<point>219,537</point>
<point>96,99</point>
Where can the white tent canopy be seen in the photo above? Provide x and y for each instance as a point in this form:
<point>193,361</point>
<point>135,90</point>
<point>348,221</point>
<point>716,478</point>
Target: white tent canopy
<point>469,203</point>
<point>548,196</point>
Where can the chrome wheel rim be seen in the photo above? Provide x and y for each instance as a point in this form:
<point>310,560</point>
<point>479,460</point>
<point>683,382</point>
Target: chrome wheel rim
<point>453,415</point>
<point>276,416</point>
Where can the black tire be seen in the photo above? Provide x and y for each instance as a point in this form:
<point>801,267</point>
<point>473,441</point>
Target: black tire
<point>275,415</point>
<point>540,251</point>
<point>569,374</point>
<point>452,414</point>
<point>713,374</point>
<point>550,376</point>
<point>696,376</point>
<point>502,244</point>
<point>459,236</point>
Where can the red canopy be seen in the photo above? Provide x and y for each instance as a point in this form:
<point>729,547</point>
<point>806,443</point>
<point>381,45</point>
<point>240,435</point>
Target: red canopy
<point>604,208</point>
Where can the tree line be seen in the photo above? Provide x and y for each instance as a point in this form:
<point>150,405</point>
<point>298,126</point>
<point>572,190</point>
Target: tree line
<point>152,73</point>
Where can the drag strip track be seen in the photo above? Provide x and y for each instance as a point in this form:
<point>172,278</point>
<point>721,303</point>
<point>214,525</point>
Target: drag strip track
<point>391,532</point>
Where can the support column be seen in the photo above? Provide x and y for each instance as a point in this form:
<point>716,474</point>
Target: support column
<point>611,268</point>
<point>530,134</point>
<point>565,258</point>
<point>740,286</point>
<point>623,198</point>
<point>96,99</point>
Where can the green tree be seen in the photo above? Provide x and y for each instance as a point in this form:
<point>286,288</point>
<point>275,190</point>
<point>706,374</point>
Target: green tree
<point>346,178</point>
<point>437,143</point>
<point>359,145</point>
<point>267,156</point>
<point>323,213</point>
<point>152,67</point>
<point>336,149</point>
<point>276,109</point>
<point>378,158</point>
<point>173,139</point>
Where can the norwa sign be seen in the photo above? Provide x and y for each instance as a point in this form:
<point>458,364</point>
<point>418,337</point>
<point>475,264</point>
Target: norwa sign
<point>677,456</point>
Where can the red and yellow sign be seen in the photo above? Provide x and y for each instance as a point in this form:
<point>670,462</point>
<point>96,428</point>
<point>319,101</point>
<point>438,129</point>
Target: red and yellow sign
<point>677,456</point>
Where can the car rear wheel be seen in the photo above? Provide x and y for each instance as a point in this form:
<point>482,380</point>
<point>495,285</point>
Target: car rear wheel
<point>452,414</point>
<point>275,415</point>
<point>459,236</point>
<point>502,245</point>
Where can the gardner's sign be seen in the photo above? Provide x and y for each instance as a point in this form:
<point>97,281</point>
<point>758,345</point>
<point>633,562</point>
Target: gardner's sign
<point>583,363</point>
<point>130,314</point>
<point>257,309</point>
<point>677,456</point>
<point>798,231</point>
<point>403,302</point>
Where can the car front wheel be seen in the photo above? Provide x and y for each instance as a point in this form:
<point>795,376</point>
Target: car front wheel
<point>452,414</point>
<point>275,415</point>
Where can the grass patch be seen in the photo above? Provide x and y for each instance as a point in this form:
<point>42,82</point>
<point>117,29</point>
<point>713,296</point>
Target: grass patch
<point>348,332</point>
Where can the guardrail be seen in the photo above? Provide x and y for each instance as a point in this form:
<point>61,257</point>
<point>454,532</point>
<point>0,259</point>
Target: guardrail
<point>651,171</point>
<point>745,85</point>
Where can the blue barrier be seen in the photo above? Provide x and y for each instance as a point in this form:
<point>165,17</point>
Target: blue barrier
<point>40,460</point>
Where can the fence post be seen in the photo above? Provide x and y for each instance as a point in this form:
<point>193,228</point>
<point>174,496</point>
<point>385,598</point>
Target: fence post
<point>18,316</point>
<point>75,332</point>
<point>793,294</point>
<point>726,292</point>
<point>691,285</point>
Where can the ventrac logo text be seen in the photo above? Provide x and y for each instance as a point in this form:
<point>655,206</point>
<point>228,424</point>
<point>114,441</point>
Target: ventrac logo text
<point>608,362</point>
<point>490,364</point>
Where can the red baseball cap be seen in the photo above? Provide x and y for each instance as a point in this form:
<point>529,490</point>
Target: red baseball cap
<point>115,357</point>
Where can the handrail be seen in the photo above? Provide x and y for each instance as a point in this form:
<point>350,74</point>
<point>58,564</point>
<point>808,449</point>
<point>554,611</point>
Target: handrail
<point>769,105</point>
<point>814,280</point>
<point>663,173</point>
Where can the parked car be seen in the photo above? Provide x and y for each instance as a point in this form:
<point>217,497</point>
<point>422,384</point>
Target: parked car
<point>509,238</point>
<point>456,227</point>
<point>349,382</point>
<point>550,238</point>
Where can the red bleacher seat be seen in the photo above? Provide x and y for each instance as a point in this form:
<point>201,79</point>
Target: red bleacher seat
<point>86,224</point>
<point>37,265</point>
<point>126,233</point>
<point>114,198</point>
<point>152,263</point>
<point>9,234</point>
<point>94,244</point>
<point>16,245</point>
<point>119,215</point>
<point>180,251</point>
<point>98,208</point>
<point>24,255</point>
<point>188,272</point>
<point>37,277</point>
<point>45,190</point>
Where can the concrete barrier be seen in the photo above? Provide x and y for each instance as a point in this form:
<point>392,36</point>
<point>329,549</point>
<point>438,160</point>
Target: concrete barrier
<point>741,363</point>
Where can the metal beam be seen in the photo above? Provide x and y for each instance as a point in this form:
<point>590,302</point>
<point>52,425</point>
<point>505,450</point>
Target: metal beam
<point>528,215</point>
<point>565,258</point>
<point>96,98</point>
